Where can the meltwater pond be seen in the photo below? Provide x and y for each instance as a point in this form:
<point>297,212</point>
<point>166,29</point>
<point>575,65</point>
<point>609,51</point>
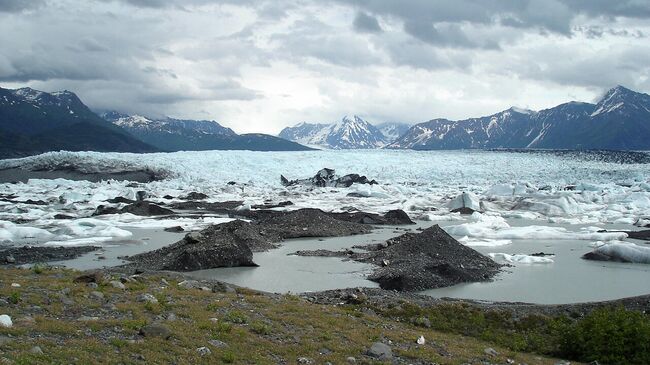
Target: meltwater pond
<point>569,279</point>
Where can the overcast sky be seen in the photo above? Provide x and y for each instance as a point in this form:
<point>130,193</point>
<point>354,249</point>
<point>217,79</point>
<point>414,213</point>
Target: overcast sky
<point>262,65</point>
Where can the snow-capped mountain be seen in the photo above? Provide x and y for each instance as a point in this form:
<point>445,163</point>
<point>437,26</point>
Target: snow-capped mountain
<point>171,134</point>
<point>33,122</point>
<point>620,120</point>
<point>393,130</point>
<point>349,133</point>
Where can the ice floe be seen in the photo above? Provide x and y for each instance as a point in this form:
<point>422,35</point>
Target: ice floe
<point>520,258</point>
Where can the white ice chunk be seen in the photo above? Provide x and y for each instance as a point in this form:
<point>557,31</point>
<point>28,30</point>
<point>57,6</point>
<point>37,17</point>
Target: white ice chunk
<point>626,252</point>
<point>520,258</point>
<point>465,200</point>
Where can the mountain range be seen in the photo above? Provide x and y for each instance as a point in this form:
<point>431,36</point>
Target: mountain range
<point>169,134</point>
<point>349,133</point>
<point>33,122</point>
<point>620,120</point>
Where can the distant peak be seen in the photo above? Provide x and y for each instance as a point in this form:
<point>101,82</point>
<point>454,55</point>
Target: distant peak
<point>521,110</point>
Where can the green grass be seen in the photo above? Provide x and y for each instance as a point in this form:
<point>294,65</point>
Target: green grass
<point>261,329</point>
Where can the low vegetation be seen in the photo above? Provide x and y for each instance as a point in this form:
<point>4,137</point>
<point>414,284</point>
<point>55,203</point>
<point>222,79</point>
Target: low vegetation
<point>58,321</point>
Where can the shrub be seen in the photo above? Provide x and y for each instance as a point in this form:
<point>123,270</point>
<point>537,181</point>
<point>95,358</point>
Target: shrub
<point>609,336</point>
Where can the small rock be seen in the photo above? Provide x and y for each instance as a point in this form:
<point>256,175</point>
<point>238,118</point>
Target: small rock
<point>5,321</point>
<point>147,298</point>
<point>164,282</point>
<point>93,285</point>
<point>36,350</point>
<point>5,340</point>
<point>223,288</point>
<point>97,295</point>
<point>214,320</point>
<point>116,284</point>
<point>15,285</point>
<point>420,340</point>
<point>93,277</point>
<point>305,360</point>
<point>171,317</point>
<point>189,284</point>
<point>10,259</point>
<point>490,351</point>
<point>218,344</point>
<point>203,351</point>
<point>351,360</point>
<point>155,330</point>
<point>380,351</point>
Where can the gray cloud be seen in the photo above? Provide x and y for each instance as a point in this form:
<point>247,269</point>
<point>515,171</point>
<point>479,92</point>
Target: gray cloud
<point>366,24</point>
<point>262,64</point>
<point>14,6</point>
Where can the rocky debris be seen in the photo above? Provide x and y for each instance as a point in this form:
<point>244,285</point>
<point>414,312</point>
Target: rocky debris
<point>225,207</point>
<point>323,253</point>
<point>464,211</point>
<point>194,196</point>
<point>90,277</point>
<point>221,245</point>
<point>327,178</point>
<point>63,216</point>
<point>142,208</point>
<point>270,205</point>
<point>380,351</point>
<point>218,344</point>
<point>147,209</point>
<point>426,260</point>
<point>639,235</point>
<point>392,217</point>
<point>35,254</point>
<point>155,330</point>
<point>232,243</point>
<point>120,200</point>
<point>174,229</point>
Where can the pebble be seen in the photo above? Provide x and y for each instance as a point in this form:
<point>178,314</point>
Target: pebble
<point>420,340</point>
<point>117,284</point>
<point>218,344</point>
<point>36,350</point>
<point>305,360</point>
<point>147,298</point>
<point>189,284</point>
<point>5,321</point>
<point>351,360</point>
<point>97,295</point>
<point>87,319</point>
<point>380,351</point>
<point>93,285</point>
<point>490,351</point>
<point>203,351</point>
<point>15,285</point>
<point>214,320</point>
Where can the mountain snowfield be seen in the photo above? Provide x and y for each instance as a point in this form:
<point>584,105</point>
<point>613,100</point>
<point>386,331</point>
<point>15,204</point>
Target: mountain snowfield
<point>619,121</point>
<point>349,133</point>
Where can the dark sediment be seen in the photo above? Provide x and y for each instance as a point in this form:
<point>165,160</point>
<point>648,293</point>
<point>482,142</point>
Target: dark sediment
<point>420,261</point>
<point>36,254</point>
<point>142,208</point>
<point>232,243</point>
<point>11,175</point>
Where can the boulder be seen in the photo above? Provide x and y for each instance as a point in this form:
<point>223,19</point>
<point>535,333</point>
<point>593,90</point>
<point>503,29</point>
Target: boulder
<point>194,196</point>
<point>155,330</point>
<point>426,260</point>
<point>147,209</point>
<point>380,351</point>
